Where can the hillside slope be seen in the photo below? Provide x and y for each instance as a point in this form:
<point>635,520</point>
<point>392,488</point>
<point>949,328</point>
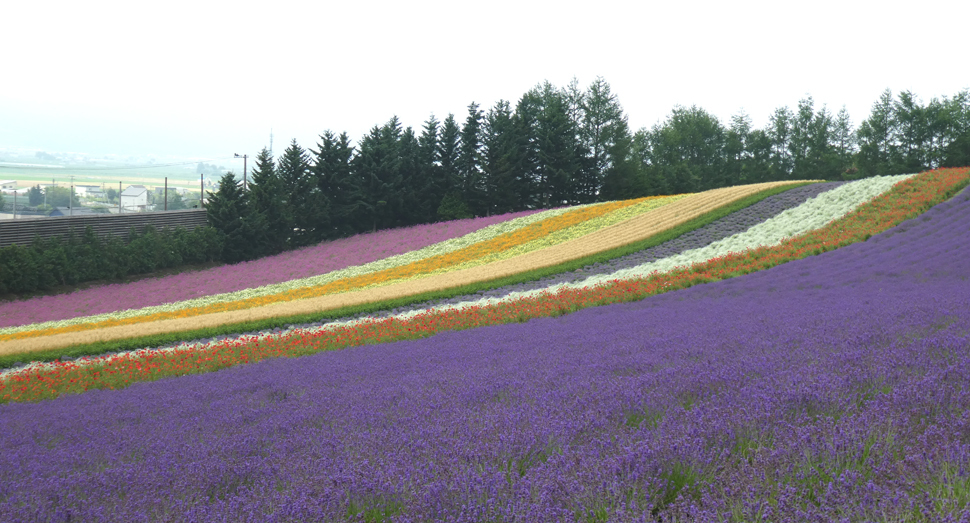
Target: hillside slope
<point>833,387</point>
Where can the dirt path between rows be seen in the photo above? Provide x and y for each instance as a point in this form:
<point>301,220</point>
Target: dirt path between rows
<point>618,235</point>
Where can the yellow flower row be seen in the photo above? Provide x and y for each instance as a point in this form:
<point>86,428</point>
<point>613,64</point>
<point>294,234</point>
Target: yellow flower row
<point>416,269</point>
<point>570,233</point>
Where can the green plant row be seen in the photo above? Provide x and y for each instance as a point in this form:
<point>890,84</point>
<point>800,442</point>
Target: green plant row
<point>98,348</point>
<point>49,263</point>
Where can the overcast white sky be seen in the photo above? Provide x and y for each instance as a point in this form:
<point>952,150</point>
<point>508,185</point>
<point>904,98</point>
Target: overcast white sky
<point>208,79</point>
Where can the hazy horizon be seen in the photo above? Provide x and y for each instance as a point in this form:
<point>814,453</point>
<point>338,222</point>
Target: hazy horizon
<point>115,78</point>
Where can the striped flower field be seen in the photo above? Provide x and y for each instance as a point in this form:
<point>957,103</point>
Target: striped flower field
<point>812,367</point>
<point>499,242</point>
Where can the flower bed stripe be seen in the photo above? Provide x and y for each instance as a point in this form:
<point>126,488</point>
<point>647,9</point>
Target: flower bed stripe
<point>629,231</point>
<point>262,296</point>
<point>445,246</point>
<point>570,233</point>
<point>905,200</point>
<point>307,262</point>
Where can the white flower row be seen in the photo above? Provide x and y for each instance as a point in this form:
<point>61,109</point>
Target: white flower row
<point>810,215</point>
<point>813,214</point>
<point>443,247</point>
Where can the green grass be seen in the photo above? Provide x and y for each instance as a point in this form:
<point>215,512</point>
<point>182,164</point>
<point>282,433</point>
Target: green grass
<point>93,349</point>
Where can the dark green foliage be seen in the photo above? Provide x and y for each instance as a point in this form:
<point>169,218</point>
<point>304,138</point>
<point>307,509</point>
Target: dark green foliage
<point>308,207</point>
<point>35,196</point>
<point>414,208</point>
<point>621,178</point>
<point>447,178</point>
<point>175,202</point>
<point>557,147</point>
<point>453,208</point>
<point>470,160</point>
<point>61,197</point>
<point>843,140</point>
<point>378,166</point>
<point>427,177</point>
<point>957,153</point>
<point>79,258</point>
<point>814,155</point>
<point>605,171</point>
<point>506,184</point>
<point>687,151</point>
<point>334,176</point>
<point>228,212</point>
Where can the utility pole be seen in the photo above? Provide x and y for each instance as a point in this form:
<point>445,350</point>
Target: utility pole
<point>70,198</point>
<point>244,157</point>
<point>166,193</point>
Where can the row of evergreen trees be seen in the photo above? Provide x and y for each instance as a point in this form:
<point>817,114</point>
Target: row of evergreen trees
<point>82,257</point>
<point>558,147</point>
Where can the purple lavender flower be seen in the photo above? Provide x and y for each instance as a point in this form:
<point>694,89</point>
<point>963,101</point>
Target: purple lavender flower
<point>830,388</point>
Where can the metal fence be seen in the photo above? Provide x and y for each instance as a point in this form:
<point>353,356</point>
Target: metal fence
<point>22,232</point>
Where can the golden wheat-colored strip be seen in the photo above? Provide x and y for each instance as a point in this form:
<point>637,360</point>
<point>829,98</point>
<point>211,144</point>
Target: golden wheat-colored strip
<point>618,235</point>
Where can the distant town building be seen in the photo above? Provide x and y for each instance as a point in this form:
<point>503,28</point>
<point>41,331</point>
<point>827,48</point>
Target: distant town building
<point>8,185</point>
<point>134,198</point>
<point>84,191</point>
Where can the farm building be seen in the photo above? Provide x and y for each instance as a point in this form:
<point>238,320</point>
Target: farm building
<point>85,191</point>
<point>134,198</point>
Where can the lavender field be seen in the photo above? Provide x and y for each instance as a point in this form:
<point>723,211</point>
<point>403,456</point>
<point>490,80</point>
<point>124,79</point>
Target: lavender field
<point>833,388</point>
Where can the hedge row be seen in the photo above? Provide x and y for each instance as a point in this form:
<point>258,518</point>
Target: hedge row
<point>80,258</point>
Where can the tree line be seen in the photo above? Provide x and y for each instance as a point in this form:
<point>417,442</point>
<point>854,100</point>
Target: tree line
<point>48,263</point>
<point>563,146</point>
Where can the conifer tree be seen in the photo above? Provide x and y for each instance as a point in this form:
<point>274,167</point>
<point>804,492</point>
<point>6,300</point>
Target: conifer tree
<point>448,179</point>
<point>429,166</point>
<point>843,139</point>
<point>470,161</point>
<point>557,165</point>
<point>335,178</point>
<point>265,199</point>
<point>876,134</point>
<point>505,186</point>
<point>309,207</point>
<point>414,206</point>
<point>377,165</point>
<point>228,213</point>
<point>605,145</point>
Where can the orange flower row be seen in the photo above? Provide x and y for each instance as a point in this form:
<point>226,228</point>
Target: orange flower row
<point>906,200</point>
